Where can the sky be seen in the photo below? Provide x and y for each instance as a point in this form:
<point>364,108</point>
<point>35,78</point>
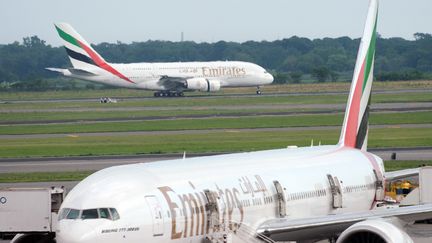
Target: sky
<point>208,21</point>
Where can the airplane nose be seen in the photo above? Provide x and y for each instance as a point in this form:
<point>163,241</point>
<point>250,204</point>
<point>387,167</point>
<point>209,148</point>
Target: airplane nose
<point>68,233</point>
<point>269,78</point>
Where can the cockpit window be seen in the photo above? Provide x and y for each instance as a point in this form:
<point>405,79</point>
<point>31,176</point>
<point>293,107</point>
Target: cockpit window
<point>73,214</point>
<point>104,213</point>
<point>63,213</point>
<point>90,214</point>
<point>114,214</point>
<point>95,213</point>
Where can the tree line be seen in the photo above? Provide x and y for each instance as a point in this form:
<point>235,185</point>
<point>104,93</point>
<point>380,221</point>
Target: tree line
<point>293,59</point>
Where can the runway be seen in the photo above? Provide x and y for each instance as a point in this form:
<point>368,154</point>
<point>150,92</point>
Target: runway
<point>98,163</point>
<point>394,106</point>
<point>204,96</point>
<point>202,131</point>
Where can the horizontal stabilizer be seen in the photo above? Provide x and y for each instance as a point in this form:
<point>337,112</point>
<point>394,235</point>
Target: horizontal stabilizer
<point>81,72</point>
<point>72,71</point>
<point>58,70</point>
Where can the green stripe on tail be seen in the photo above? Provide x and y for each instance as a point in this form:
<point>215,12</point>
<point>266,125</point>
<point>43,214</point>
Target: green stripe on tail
<point>65,36</point>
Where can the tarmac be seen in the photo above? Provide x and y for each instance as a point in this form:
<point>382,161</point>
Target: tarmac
<point>93,163</point>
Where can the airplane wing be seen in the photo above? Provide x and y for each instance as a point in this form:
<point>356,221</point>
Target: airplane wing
<point>171,82</point>
<point>327,226</point>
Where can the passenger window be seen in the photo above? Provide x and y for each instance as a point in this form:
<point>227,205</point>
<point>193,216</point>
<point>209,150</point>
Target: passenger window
<point>90,214</point>
<point>114,214</point>
<point>73,214</point>
<point>104,213</point>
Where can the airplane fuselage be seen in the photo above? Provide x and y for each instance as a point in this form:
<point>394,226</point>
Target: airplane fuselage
<point>149,75</point>
<point>187,200</point>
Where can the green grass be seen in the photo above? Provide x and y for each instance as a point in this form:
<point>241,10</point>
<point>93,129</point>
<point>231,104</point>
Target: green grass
<point>76,94</point>
<point>227,141</point>
<point>80,175</point>
<point>216,123</point>
<point>43,176</point>
<point>392,165</point>
<point>116,114</point>
<point>116,92</point>
<point>219,101</point>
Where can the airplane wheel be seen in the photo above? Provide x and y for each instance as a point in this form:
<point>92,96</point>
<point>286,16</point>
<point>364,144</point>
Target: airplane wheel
<point>164,94</point>
<point>156,94</point>
<point>258,92</point>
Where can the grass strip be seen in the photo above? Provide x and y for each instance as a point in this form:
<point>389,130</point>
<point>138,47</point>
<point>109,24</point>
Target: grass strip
<point>80,175</point>
<point>220,101</point>
<point>216,123</point>
<point>118,92</point>
<point>115,114</point>
<point>226,141</point>
<point>393,165</point>
<point>44,176</point>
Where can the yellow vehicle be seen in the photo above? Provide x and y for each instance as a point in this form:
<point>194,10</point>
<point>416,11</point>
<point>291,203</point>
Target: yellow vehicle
<point>399,189</point>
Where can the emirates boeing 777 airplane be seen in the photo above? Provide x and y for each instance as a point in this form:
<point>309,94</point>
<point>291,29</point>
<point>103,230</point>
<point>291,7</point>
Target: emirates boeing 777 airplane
<point>169,79</point>
<point>293,194</point>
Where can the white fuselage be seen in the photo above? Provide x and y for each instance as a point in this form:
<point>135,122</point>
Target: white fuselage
<point>148,75</point>
<point>169,201</point>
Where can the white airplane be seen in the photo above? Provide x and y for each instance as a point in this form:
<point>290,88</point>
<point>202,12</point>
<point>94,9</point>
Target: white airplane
<point>294,194</point>
<point>169,79</point>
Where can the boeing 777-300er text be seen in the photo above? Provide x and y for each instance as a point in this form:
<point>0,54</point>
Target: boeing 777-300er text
<point>293,194</point>
<point>168,79</point>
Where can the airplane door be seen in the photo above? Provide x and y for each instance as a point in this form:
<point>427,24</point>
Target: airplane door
<point>281,200</point>
<point>222,212</point>
<point>379,187</point>
<point>157,216</point>
<point>212,209</point>
<point>336,191</point>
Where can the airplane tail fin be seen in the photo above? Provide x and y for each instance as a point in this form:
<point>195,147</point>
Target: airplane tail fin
<point>355,127</point>
<point>81,54</point>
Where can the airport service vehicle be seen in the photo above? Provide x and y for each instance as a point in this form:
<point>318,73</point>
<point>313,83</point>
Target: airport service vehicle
<point>293,194</point>
<point>168,79</point>
<point>29,213</point>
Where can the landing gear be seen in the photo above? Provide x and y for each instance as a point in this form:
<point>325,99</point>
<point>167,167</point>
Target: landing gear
<point>168,94</point>
<point>157,94</point>
<point>258,92</point>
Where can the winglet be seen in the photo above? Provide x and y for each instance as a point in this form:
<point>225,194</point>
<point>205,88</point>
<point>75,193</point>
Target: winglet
<point>355,127</point>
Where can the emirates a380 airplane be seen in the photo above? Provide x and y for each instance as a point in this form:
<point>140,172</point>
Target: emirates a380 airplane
<point>169,79</point>
<point>294,194</point>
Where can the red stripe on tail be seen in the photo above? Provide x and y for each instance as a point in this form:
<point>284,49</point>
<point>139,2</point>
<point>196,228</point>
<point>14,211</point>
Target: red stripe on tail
<point>102,64</point>
<point>353,115</point>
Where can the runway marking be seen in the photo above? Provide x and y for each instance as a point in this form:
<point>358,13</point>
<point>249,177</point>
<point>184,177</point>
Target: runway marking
<point>233,131</point>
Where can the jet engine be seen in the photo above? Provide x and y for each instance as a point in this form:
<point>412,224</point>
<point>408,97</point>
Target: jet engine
<point>376,231</point>
<point>203,84</point>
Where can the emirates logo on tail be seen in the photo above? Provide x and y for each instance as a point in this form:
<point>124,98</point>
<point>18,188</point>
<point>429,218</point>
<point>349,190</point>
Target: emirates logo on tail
<point>78,49</point>
<point>355,126</point>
